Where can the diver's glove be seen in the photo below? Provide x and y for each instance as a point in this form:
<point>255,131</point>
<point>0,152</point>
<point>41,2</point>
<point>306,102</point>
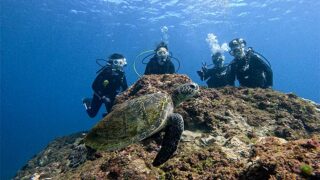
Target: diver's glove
<point>203,71</point>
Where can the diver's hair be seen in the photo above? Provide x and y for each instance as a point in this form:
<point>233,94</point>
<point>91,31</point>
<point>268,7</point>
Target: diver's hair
<point>160,45</point>
<point>116,56</point>
<point>217,54</point>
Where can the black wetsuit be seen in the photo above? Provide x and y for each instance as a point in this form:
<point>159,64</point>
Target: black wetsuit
<point>251,71</point>
<point>117,83</point>
<point>153,67</point>
<point>218,77</point>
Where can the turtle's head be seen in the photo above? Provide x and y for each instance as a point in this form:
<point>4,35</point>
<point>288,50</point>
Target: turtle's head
<point>184,92</point>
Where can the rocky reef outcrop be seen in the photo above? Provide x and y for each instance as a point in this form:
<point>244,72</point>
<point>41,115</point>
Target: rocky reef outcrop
<point>230,133</point>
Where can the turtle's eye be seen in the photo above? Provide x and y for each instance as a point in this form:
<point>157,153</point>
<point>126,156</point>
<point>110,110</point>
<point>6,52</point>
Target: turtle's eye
<point>192,86</point>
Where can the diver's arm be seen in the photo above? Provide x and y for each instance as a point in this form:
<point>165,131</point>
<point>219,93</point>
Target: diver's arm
<point>230,77</point>
<point>207,73</point>
<point>124,84</point>
<point>97,84</point>
<point>200,73</point>
<point>265,68</point>
<point>268,74</point>
<point>148,69</point>
<point>171,69</point>
<point>269,77</point>
<point>232,73</point>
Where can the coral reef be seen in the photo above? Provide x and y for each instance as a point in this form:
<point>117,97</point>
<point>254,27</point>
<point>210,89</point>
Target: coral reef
<point>230,133</point>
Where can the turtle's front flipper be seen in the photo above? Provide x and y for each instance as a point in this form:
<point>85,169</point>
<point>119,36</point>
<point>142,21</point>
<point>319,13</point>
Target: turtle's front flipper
<point>173,132</point>
<point>81,154</point>
<point>78,156</point>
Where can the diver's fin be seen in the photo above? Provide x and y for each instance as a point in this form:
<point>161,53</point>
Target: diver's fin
<point>171,139</point>
<point>87,103</point>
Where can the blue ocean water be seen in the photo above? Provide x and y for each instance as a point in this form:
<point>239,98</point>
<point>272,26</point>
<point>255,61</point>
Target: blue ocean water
<point>48,52</point>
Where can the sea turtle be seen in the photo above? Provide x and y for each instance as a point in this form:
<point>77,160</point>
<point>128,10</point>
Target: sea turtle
<point>141,117</point>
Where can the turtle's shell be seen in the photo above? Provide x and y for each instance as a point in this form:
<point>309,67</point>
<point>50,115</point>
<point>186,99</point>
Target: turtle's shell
<point>130,122</point>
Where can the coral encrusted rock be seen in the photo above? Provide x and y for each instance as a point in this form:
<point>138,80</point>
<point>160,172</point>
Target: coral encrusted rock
<point>230,133</point>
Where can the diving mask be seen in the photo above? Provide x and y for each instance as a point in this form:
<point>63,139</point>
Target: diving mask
<point>237,42</point>
<point>118,63</point>
<point>162,52</point>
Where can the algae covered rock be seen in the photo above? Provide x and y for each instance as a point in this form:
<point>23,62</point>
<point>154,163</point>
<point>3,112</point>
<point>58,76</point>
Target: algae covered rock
<point>230,133</point>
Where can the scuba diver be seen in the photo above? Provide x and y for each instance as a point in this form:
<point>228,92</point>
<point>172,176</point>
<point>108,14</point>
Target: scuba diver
<point>109,82</point>
<point>161,62</point>
<point>219,75</point>
<point>249,67</point>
